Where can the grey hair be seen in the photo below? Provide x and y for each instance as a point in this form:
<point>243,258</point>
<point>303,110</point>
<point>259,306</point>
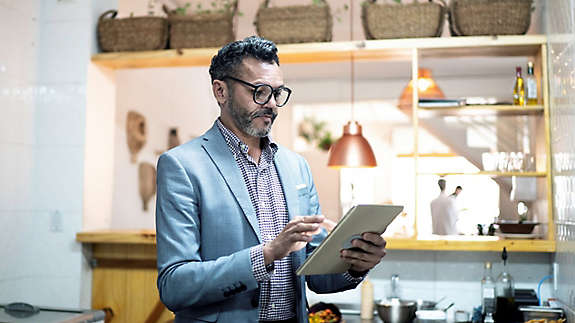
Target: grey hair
<point>229,57</point>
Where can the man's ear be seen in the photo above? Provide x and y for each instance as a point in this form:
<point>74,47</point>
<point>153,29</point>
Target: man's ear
<point>220,90</point>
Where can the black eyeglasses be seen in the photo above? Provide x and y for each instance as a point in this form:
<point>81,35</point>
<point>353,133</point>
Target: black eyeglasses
<point>263,92</point>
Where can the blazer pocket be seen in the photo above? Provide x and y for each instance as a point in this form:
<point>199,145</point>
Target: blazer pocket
<point>303,200</point>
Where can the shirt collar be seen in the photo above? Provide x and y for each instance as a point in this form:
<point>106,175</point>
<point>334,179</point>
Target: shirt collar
<point>236,145</point>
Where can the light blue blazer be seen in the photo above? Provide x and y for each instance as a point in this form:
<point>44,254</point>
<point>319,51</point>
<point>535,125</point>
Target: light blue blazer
<point>206,225</point>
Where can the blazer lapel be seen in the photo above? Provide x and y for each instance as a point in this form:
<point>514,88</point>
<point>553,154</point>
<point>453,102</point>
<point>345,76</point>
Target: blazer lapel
<point>216,147</point>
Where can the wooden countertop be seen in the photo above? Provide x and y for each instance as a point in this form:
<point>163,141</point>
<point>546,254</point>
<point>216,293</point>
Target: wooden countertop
<point>453,243</point>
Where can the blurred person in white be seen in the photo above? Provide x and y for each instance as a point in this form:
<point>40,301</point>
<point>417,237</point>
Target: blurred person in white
<point>444,211</point>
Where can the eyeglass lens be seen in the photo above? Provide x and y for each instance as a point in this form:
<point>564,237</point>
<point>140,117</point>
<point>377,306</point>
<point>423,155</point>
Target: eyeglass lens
<point>264,92</point>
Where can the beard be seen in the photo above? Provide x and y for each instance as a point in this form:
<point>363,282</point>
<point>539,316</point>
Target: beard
<point>243,119</point>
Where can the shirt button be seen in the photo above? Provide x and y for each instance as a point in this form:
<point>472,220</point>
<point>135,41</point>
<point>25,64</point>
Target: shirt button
<point>273,306</point>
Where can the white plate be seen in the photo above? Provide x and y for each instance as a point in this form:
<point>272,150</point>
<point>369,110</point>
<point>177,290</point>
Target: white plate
<point>518,235</point>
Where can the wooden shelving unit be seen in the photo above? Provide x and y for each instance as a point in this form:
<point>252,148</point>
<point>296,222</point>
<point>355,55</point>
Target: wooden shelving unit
<point>536,49</point>
<point>340,51</point>
<point>395,49</point>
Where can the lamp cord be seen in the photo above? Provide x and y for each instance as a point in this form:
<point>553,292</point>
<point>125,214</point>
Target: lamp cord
<point>352,67</point>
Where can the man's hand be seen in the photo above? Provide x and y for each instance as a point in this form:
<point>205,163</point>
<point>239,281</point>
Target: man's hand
<point>373,249</point>
<point>295,235</point>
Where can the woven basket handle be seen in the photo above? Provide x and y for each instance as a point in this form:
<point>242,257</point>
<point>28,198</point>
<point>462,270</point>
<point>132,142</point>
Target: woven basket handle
<point>107,13</point>
<point>452,24</point>
<point>171,12</point>
<point>267,3</point>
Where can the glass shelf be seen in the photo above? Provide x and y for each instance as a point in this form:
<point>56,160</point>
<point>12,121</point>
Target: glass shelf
<point>476,110</point>
<point>495,174</point>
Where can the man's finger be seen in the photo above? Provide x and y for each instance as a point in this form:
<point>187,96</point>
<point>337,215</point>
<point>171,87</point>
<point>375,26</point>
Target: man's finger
<point>313,218</point>
<point>374,238</point>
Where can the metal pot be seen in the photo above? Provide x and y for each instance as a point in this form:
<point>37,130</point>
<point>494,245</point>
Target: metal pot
<point>425,305</point>
<point>396,311</point>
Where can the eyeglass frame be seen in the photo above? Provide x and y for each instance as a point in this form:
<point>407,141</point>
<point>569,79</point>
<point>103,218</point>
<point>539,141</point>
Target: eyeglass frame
<point>255,87</point>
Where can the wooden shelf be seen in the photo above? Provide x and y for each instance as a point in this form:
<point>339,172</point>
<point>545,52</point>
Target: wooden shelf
<point>524,45</point>
<point>475,243</point>
<point>481,110</point>
<point>113,243</point>
<point>118,237</point>
<point>495,174</point>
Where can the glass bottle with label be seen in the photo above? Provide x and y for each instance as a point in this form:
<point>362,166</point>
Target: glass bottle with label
<point>531,85</point>
<point>488,301</point>
<point>519,88</point>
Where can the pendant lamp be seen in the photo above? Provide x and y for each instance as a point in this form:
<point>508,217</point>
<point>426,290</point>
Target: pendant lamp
<point>427,89</point>
<point>352,149</point>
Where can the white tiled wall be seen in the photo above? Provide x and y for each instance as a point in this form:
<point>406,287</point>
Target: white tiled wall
<point>561,32</point>
<point>46,47</point>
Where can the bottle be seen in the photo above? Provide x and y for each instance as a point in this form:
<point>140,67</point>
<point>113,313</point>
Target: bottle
<point>519,88</point>
<point>504,284</point>
<point>504,290</point>
<point>366,311</point>
<point>531,85</point>
<point>488,294</point>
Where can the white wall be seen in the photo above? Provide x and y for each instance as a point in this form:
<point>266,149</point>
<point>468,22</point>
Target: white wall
<point>46,49</point>
<point>561,33</point>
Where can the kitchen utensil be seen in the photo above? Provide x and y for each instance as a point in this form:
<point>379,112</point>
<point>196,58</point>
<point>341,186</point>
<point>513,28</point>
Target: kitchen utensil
<point>431,316</point>
<point>425,305</point>
<point>541,312</point>
<point>396,311</point>
<point>147,178</point>
<point>516,227</point>
<point>448,307</point>
<point>136,131</point>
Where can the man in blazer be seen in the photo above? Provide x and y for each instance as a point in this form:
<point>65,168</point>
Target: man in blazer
<point>237,214</point>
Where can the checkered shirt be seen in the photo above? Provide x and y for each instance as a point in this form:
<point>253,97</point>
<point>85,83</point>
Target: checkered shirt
<point>277,287</point>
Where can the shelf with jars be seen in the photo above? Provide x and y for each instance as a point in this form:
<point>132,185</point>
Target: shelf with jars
<point>507,164</point>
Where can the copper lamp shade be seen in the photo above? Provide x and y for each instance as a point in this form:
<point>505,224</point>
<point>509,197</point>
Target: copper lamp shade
<point>352,149</point>
<point>427,89</point>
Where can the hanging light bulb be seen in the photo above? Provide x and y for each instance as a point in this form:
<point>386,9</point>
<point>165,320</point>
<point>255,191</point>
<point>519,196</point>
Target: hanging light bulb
<point>352,149</point>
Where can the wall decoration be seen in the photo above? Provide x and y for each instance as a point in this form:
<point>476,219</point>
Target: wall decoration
<point>136,133</point>
<point>315,133</point>
<point>173,139</point>
<point>147,179</point>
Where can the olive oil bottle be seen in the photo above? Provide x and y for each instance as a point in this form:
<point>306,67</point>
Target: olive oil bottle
<point>531,85</point>
<point>519,88</point>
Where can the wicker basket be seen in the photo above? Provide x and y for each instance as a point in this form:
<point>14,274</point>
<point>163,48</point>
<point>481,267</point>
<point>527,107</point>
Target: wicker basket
<point>294,24</point>
<point>207,29</point>
<point>131,34</point>
<point>489,17</point>
<point>384,21</point>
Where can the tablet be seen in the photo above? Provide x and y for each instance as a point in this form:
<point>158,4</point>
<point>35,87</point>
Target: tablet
<point>325,259</point>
